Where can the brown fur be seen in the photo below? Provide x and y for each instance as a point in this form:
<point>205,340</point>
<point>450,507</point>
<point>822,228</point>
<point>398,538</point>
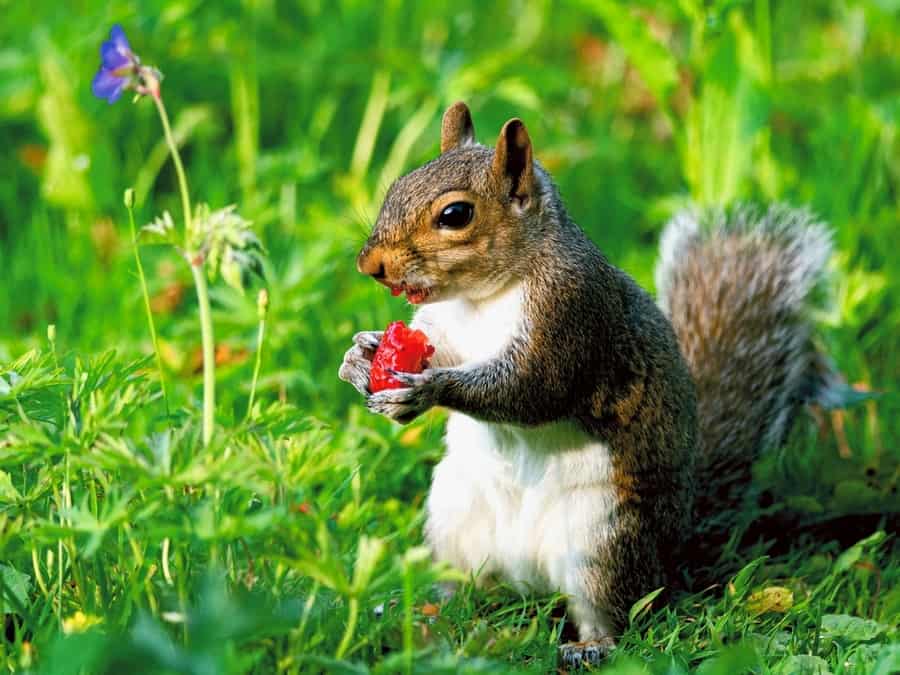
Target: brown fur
<point>737,287</point>
<point>480,255</point>
<point>456,127</point>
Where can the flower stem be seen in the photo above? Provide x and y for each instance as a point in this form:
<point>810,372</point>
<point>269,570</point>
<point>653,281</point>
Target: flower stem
<point>176,158</point>
<point>352,617</point>
<point>408,604</point>
<point>262,308</point>
<point>307,609</point>
<point>35,564</point>
<point>256,366</point>
<point>196,261</point>
<point>167,575</point>
<point>140,268</point>
<point>209,352</point>
<point>59,590</point>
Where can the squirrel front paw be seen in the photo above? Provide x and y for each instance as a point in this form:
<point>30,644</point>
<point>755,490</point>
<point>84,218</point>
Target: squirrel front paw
<point>404,405</point>
<point>357,363</point>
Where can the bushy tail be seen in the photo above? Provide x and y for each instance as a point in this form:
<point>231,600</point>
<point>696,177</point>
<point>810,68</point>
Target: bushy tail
<point>738,287</point>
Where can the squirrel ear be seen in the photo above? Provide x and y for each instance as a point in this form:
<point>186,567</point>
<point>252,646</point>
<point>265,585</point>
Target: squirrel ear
<point>457,128</point>
<point>512,160</point>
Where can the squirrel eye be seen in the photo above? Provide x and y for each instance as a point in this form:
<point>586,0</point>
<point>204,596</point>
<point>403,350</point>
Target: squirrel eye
<point>456,215</point>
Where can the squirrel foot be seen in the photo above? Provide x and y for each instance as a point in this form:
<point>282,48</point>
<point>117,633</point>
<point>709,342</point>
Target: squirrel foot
<point>576,655</point>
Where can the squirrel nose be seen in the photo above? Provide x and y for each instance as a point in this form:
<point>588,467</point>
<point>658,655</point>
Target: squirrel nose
<point>371,262</point>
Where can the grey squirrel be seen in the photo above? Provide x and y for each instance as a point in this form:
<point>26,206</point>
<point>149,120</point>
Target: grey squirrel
<point>590,429</point>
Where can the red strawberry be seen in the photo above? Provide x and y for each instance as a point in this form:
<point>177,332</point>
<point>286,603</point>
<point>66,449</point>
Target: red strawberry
<point>403,350</point>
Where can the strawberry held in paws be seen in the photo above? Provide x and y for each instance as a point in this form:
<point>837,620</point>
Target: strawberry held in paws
<point>402,349</point>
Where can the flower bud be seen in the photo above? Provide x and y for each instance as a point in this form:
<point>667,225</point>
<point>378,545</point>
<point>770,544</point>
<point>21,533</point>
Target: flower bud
<point>129,198</point>
<point>51,333</point>
<point>262,303</point>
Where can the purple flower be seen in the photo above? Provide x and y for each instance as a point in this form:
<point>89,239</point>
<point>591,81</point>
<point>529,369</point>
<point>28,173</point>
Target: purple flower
<point>118,66</point>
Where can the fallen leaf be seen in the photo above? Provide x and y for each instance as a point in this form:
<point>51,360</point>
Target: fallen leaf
<point>772,599</point>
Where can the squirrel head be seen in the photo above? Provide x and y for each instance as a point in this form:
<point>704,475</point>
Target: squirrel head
<point>461,225</point>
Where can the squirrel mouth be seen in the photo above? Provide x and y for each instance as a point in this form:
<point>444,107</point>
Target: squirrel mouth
<point>413,295</point>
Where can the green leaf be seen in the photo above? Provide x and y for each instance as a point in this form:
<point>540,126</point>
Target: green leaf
<point>888,661</point>
<point>851,627</point>
<point>231,272</point>
<point>741,580</point>
<point>853,554</point>
<point>804,503</point>
<point>14,587</point>
<point>369,554</point>
<point>8,491</point>
<point>643,605</point>
<point>741,658</point>
<point>804,664</point>
<point>855,495</point>
<point>331,665</point>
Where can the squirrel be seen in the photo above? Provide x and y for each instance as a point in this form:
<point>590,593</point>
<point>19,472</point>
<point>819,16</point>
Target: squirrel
<point>590,430</point>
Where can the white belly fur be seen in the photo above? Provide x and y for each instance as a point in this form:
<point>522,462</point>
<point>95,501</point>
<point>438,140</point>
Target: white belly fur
<point>525,504</point>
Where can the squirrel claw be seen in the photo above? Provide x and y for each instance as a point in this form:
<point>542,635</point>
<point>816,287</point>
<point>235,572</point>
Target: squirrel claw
<point>576,655</point>
<point>355,369</point>
<point>368,339</point>
<point>409,379</point>
<point>395,404</point>
<point>405,404</point>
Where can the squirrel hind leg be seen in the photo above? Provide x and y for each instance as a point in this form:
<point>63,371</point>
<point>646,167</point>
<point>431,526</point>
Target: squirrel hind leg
<point>603,588</point>
<point>594,625</point>
<point>592,622</point>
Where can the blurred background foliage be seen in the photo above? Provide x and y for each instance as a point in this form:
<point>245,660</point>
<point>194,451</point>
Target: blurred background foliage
<point>304,112</point>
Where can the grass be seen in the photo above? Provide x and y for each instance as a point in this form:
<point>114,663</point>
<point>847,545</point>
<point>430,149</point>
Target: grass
<point>293,542</point>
